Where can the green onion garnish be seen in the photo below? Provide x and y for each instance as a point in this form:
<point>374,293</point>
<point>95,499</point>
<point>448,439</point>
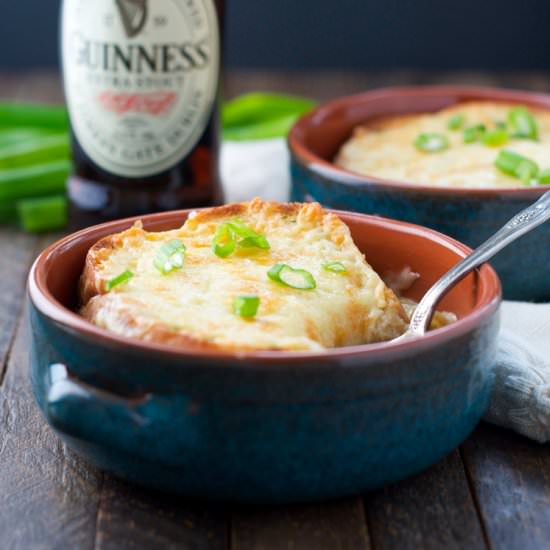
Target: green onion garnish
<point>474,133</point>
<point>226,239</point>
<point>291,277</point>
<point>544,177</point>
<point>522,123</point>
<point>456,122</point>
<point>170,256</point>
<point>431,143</point>
<point>124,277</point>
<point>494,138</point>
<point>249,237</point>
<point>334,267</point>
<point>517,166</point>
<point>246,306</point>
<point>527,171</point>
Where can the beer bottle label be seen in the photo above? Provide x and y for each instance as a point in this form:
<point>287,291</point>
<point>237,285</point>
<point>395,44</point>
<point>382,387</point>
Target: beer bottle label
<point>141,78</point>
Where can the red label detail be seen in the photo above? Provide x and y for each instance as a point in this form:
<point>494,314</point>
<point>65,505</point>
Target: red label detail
<point>154,103</point>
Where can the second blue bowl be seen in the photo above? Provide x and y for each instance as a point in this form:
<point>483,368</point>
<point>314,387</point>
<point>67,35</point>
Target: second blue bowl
<point>468,215</point>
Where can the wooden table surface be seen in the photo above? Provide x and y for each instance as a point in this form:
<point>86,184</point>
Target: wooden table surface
<point>492,492</point>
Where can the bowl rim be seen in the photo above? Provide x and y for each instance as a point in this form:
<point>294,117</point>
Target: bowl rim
<point>304,156</point>
<point>42,299</point>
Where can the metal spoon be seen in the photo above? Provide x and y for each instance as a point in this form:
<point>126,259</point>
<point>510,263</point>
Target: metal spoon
<point>521,223</point>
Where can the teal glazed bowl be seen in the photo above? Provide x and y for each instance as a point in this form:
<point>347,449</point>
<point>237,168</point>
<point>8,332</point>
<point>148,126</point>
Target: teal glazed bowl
<point>468,215</point>
<point>265,426</point>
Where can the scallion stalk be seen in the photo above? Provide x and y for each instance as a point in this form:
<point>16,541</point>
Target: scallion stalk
<point>33,115</point>
<point>33,181</point>
<point>41,149</point>
<point>42,214</point>
<point>262,115</point>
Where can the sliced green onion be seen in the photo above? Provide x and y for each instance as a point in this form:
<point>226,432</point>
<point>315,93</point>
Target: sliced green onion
<point>170,256</point>
<point>431,143</point>
<point>501,125</point>
<point>527,171</point>
<point>517,166</point>
<point>495,137</point>
<point>508,161</point>
<point>334,267</point>
<point>456,122</point>
<point>43,213</point>
<point>225,241</point>
<point>124,277</point>
<point>544,177</point>
<point>258,241</point>
<point>474,133</point>
<point>522,123</point>
<point>291,277</point>
<point>246,306</point>
<point>250,238</point>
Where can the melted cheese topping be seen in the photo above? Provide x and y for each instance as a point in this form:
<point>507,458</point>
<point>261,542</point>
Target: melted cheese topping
<point>385,148</point>
<point>194,305</point>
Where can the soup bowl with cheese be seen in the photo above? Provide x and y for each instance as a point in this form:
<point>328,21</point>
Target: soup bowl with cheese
<point>245,352</point>
<point>461,160</point>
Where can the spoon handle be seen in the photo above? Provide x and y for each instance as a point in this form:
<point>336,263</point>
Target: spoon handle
<point>521,223</point>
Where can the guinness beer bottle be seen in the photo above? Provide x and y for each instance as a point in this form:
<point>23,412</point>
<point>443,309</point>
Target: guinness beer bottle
<point>141,82</point>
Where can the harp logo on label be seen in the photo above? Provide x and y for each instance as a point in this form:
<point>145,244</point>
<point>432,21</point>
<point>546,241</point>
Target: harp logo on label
<point>133,14</point>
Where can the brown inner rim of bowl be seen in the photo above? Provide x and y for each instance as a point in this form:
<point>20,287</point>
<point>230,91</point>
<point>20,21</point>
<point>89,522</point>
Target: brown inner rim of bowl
<point>317,137</point>
<point>388,245</point>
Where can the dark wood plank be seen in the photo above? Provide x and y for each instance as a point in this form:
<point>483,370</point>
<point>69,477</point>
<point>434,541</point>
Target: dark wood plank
<point>48,496</point>
<point>432,510</point>
<point>338,525</point>
<point>131,517</point>
<point>511,478</point>
<point>16,253</point>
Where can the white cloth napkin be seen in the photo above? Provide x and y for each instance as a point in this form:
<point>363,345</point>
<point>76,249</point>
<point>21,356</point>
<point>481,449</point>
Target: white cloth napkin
<point>521,397</point>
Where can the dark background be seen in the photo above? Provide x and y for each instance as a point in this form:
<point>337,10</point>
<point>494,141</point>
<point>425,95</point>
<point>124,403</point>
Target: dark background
<point>334,34</point>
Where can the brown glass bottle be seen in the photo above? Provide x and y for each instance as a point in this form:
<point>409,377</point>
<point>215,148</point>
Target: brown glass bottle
<point>141,83</point>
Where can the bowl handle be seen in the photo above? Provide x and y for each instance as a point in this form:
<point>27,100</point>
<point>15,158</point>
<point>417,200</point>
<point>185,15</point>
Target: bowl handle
<point>93,414</point>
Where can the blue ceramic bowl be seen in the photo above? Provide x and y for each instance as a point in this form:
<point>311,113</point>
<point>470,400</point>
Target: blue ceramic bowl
<point>468,215</point>
<point>266,426</point>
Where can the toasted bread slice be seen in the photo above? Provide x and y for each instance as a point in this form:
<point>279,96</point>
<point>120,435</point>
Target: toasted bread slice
<point>193,305</point>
